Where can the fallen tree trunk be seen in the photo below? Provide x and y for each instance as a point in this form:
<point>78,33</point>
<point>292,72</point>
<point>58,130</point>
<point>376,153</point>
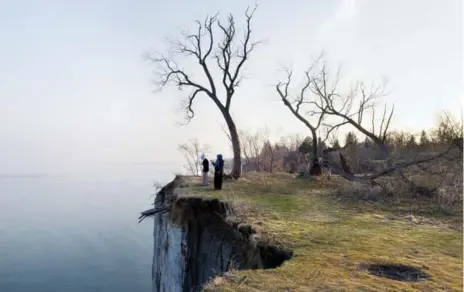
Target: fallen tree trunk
<point>391,169</point>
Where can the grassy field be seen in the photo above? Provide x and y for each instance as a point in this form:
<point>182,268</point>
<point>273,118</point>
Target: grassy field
<point>334,238</point>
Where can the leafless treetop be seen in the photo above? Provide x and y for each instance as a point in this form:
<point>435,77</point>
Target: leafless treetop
<point>323,97</point>
<point>229,54</point>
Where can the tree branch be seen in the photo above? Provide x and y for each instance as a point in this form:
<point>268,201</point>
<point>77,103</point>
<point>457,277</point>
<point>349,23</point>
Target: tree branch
<point>198,46</point>
<point>230,53</point>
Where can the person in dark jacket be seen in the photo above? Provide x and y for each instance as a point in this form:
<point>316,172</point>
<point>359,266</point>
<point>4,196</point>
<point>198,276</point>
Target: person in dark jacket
<point>218,172</point>
<point>205,169</point>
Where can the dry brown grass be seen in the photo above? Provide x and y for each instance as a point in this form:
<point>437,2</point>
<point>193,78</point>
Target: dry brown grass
<point>360,191</point>
<point>333,238</point>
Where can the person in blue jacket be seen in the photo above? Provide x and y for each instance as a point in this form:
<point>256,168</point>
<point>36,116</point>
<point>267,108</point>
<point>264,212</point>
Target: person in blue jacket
<point>218,172</point>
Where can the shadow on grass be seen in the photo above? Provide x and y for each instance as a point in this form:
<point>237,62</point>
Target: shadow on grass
<point>396,272</point>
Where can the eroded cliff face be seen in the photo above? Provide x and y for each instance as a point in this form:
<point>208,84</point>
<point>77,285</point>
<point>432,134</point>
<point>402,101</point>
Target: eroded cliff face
<point>194,241</point>
<point>168,268</point>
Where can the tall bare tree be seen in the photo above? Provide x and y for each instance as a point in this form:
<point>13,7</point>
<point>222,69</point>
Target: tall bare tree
<point>353,106</point>
<point>321,92</point>
<point>229,54</point>
<point>303,101</point>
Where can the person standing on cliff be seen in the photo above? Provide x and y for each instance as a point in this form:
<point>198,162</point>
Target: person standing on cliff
<point>205,169</point>
<point>218,172</point>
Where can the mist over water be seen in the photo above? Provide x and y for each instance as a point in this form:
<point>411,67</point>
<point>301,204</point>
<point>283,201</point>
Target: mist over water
<point>77,232</point>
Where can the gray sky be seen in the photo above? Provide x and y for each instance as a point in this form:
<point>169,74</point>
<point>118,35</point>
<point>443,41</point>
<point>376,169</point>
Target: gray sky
<point>76,94</point>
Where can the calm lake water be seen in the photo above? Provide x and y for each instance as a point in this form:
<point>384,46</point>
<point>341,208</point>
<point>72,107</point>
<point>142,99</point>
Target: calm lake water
<point>76,234</point>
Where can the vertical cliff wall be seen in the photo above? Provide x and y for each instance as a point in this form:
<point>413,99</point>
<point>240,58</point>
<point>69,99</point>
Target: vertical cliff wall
<point>193,242</point>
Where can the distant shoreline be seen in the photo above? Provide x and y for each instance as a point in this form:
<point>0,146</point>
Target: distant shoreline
<point>27,175</point>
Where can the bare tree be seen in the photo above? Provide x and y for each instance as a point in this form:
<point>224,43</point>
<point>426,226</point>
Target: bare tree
<point>229,54</point>
<point>273,156</point>
<point>321,92</point>
<point>269,156</point>
<point>292,158</point>
<point>191,152</point>
<point>448,129</point>
<point>325,99</point>
<point>251,147</point>
<point>296,104</point>
<point>292,142</point>
<point>353,106</point>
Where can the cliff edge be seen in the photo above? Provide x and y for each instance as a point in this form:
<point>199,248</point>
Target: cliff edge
<point>195,240</point>
<point>342,237</point>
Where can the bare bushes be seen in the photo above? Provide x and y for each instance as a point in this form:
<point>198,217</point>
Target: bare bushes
<point>448,197</point>
<point>352,190</point>
<point>191,152</point>
<point>260,154</point>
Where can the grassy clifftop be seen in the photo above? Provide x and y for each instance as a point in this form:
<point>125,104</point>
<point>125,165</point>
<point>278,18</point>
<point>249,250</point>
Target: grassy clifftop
<point>335,239</point>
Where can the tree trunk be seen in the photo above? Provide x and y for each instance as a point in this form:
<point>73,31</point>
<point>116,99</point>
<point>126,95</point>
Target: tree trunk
<point>346,168</point>
<point>315,167</point>
<point>315,149</point>
<point>237,168</point>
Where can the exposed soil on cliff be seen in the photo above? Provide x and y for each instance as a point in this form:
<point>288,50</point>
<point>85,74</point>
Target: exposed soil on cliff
<point>211,243</point>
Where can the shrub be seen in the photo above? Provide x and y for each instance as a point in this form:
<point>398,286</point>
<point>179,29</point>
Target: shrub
<point>360,191</point>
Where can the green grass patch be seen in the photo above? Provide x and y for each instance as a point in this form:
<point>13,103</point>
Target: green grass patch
<point>332,239</point>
